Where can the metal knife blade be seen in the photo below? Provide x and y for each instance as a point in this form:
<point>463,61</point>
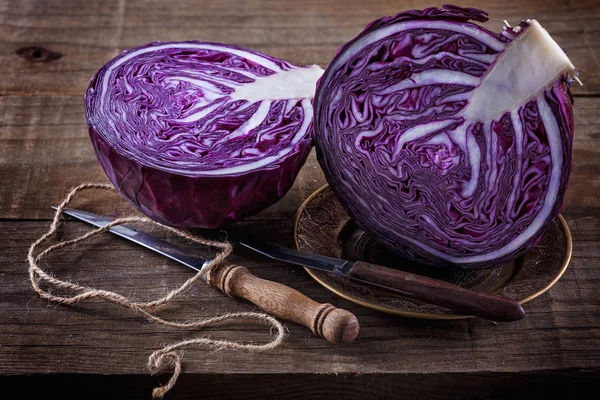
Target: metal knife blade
<point>328,264</point>
<point>182,256</point>
<point>313,261</point>
<point>150,242</point>
<point>285,254</point>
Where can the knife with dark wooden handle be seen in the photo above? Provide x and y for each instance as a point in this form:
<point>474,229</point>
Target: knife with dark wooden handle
<point>438,292</point>
<point>433,291</point>
<point>334,324</point>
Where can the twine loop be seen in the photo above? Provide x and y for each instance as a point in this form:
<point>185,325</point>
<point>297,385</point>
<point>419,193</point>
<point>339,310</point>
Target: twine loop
<point>168,357</point>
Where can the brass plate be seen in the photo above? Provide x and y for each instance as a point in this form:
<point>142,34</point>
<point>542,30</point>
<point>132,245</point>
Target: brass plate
<point>322,226</point>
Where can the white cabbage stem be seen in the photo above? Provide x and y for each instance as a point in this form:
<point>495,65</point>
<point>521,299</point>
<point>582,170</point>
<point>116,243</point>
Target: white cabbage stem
<point>298,83</point>
<point>531,63</point>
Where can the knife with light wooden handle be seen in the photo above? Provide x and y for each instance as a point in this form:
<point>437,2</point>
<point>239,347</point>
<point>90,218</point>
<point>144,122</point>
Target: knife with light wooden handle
<point>334,324</point>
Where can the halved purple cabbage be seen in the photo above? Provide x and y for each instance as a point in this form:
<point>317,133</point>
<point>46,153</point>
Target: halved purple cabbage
<point>448,143</point>
<point>199,134</point>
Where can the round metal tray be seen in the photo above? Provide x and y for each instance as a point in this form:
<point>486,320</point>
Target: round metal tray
<point>322,226</point>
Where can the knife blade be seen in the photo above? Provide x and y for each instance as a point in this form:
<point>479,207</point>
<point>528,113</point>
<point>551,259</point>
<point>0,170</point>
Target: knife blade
<point>417,287</point>
<point>422,288</point>
<point>334,324</point>
<point>128,232</point>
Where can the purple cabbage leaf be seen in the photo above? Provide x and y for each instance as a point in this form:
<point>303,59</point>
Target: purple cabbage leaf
<point>199,134</point>
<point>448,143</point>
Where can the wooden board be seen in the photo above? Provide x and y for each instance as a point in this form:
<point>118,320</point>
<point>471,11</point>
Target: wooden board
<point>49,51</point>
<point>303,33</point>
<point>561,330</point>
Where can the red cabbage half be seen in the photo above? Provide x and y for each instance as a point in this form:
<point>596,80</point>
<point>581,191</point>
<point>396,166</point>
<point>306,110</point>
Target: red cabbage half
<point>199,134</point>
<point>447,142</point>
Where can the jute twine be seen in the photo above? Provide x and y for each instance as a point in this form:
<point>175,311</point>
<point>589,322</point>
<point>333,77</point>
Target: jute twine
<point>167,357</point>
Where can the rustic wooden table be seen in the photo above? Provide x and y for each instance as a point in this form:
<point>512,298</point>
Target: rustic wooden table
<point>102,350</point>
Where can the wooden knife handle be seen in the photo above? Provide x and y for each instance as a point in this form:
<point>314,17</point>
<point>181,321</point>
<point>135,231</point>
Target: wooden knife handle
<point>334,324</point>
<point>441,293</point>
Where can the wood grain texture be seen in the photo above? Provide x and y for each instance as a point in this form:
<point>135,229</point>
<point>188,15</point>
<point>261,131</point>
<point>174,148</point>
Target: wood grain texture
<point>50,50</point>
<point>303,33</point>
<point>561,330</point>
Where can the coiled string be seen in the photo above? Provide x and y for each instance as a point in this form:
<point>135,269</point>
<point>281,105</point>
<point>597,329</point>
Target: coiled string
<point>167,357</point>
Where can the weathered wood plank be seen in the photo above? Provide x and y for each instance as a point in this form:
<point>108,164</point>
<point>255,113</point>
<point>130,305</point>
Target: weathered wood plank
<point>46,150</point>
<point>561,330</point>
<point>85,36</point>
<point>305,33</point>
